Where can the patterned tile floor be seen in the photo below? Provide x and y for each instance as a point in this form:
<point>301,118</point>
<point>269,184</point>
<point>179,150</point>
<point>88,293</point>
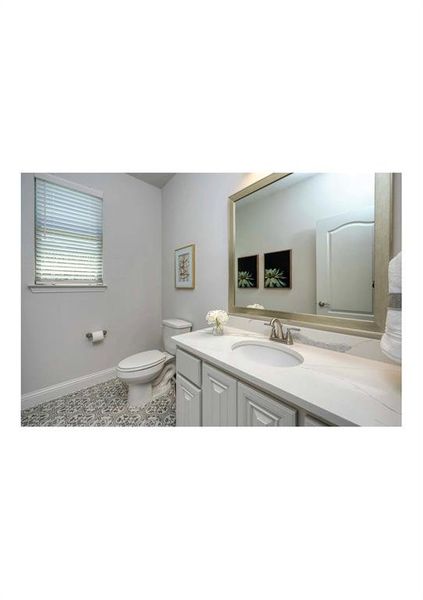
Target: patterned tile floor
<point>102,405</point>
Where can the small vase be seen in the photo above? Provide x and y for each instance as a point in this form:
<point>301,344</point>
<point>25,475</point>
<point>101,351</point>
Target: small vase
<point>218,329</point>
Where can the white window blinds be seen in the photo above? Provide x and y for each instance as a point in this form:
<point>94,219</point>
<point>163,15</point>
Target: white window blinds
<point>68,235</point>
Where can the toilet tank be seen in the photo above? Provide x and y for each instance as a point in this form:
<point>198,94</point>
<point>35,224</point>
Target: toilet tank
<point>173,327</point>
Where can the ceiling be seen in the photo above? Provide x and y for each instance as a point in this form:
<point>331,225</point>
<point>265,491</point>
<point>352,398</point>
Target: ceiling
<point>157,179</point>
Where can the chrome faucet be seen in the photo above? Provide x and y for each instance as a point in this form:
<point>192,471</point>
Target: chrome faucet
<point>277,334</point>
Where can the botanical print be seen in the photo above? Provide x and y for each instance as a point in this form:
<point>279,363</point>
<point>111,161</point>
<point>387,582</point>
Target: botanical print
<point>274,278</point>
<point>245,279</point>
<point>185,267</point>
<point>247,271</point>
<point>277,269</point>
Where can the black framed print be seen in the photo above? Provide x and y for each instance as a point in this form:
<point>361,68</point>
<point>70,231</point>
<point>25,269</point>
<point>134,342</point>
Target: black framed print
<point>248,271</point>
<point>277,270</point>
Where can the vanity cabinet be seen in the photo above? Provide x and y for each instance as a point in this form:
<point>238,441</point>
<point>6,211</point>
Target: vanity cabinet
<point>209,397</point>
<point>219,398</point>
<point>256,409</point>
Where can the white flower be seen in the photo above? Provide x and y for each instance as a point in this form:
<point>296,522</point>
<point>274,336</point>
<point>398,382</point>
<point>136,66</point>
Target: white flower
<point>217,317</point>
<point>255,306</point>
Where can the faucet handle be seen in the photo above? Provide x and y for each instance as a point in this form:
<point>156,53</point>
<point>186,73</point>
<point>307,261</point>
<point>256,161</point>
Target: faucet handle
<point>289,340</point>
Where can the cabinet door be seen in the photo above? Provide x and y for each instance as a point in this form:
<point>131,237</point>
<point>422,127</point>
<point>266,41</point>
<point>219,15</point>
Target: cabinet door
<point>219,398</point>
<point>256,409</point>
<point>188,403</point>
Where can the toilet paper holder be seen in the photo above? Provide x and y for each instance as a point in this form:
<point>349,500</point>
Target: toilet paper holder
<point>89,335</point>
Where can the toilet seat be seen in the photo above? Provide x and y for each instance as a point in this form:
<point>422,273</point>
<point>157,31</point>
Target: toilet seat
<point>142,361</point>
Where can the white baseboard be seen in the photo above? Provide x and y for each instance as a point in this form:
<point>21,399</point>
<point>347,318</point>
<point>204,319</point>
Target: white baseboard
<point>66,387</point>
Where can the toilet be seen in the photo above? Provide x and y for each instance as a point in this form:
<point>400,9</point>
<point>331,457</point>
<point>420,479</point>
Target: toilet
<point>143,370</point>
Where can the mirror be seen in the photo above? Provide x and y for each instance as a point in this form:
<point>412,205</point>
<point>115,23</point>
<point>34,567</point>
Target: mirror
<point>312,247</point>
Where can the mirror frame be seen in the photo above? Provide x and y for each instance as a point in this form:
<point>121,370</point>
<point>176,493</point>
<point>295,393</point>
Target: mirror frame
<point>383,242</point>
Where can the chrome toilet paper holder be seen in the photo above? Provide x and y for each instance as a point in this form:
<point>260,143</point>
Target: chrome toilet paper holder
<point>89,335</point>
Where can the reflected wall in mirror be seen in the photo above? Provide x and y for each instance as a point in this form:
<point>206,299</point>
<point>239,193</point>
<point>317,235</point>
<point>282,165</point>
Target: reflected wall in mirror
<point>315,237</point>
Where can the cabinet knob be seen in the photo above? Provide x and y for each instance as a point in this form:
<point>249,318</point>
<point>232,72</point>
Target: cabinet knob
<point>321,303</point>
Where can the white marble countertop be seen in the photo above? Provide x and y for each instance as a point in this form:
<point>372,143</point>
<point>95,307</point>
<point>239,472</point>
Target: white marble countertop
<point>338,387</point>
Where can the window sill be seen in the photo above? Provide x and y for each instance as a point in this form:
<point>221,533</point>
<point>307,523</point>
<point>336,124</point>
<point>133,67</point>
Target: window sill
<point>66,287</point>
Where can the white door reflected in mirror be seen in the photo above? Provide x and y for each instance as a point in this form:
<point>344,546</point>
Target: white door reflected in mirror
<point>344,264</point>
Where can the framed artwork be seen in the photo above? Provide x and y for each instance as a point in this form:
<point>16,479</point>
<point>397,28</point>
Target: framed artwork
<point>248,272</point>
<point>277,270</point>
<point>185,267</point>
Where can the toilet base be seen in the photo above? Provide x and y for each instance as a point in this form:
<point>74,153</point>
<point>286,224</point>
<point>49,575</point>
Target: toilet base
<point>139,394</point>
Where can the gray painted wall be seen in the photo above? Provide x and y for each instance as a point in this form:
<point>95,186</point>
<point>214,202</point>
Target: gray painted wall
<point>194,211</point>
<point>54,347</point>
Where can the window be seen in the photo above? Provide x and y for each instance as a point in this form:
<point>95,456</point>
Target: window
<point>68,234</point>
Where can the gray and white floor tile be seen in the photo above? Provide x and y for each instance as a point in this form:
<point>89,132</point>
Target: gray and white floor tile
<point>102,405</point>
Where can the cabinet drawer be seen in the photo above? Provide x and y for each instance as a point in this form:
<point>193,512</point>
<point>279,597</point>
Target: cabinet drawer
<point>310,421</point>
<point>188,366</point>
<point>256,409</point>
<point>188,403</point>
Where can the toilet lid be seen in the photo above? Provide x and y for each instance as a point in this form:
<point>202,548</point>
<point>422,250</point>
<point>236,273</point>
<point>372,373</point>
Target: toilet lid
<point>142,360</point>
<point>177,323</point>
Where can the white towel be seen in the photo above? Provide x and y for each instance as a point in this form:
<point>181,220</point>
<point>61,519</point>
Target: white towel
<point>390,343</point>
<point>394,274</point>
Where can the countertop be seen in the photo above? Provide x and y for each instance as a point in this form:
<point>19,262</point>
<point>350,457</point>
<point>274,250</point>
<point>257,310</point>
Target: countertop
<point>338,387</point>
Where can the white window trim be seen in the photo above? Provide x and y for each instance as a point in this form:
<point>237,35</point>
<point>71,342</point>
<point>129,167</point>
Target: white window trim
<point>69,184</point>
<point>67,287</point>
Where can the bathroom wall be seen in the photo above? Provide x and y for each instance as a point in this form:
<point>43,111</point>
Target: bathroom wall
<point>54,346</point>
<point>195,210</point>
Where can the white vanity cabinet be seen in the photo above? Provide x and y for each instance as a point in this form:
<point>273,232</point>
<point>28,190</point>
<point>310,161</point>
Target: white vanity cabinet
<point>243,379</point>
<point>207,396</point>
<point>256,409</point>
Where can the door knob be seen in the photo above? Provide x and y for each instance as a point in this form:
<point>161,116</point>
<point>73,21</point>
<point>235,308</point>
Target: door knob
<point>321,303</point>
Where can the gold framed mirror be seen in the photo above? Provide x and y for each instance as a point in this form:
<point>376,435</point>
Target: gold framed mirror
<point>312,249</point>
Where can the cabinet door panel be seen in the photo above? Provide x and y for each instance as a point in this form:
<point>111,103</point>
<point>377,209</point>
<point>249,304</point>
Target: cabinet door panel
<point>219,398</point>
<point>188,403</point>
<point>256,409</point>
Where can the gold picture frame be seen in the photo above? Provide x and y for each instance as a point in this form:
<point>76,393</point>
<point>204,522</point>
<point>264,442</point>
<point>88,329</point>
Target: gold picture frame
<point>185,267</point>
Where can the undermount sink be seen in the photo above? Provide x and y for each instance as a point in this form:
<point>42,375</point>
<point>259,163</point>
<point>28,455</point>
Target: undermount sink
<point>267,353</point>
